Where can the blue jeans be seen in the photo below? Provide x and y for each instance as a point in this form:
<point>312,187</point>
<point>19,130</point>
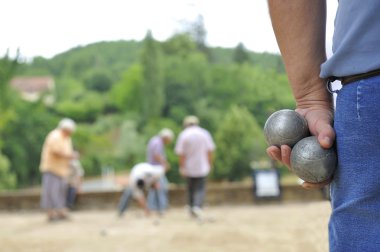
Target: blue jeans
<point>124,200</point>
<point>355,191</point>
<point>158,199</point>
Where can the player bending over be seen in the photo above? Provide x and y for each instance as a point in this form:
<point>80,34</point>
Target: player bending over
<point>142,177</point>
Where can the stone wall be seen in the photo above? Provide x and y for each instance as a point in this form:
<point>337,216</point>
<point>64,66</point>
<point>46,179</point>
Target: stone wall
<point>225,194</point>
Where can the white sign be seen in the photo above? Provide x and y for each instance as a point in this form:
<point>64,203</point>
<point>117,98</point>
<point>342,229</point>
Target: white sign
<point>267,184</point>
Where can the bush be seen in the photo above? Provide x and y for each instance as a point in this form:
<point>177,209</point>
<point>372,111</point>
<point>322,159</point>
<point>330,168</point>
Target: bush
<point>239,140</point>
<point>7,179</point>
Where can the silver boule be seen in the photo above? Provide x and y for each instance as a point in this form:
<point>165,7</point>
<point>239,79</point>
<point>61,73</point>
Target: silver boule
<point>285,127</point>
<point>311,162</point>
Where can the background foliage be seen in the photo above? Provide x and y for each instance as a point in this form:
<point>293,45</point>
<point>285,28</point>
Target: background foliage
<point>122,93</point>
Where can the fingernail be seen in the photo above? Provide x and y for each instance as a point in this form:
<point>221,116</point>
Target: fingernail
<point>327,140</point>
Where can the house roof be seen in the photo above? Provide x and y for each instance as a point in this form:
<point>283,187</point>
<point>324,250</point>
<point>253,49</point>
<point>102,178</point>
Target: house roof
<point>33,84</point>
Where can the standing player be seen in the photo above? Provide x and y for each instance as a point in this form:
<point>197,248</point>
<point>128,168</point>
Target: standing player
<point>156,155</point>
<point>195,148</point>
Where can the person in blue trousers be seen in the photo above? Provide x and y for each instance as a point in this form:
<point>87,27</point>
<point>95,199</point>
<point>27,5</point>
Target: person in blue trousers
<point>300,27</point>
<point>156,155</point>
<point>143,176</point>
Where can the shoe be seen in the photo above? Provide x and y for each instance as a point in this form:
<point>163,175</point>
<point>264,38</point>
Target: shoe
<point>120,214</point>
<point>52,219</point>
<point>63,217</point>
<point>189,210</point>
<point>197,213</point>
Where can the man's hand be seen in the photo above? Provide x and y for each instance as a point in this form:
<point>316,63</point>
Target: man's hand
<point>182,172</point>
<point>320,124</point>
<point>75,155</point>
<point>156,185</point>
<point>166,166</point>
<point>147,212</point>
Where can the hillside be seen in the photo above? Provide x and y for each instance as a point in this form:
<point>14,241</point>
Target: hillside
<point>121,93</point>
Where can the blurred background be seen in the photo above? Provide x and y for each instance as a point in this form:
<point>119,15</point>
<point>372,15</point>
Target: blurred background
<point>124,69</point>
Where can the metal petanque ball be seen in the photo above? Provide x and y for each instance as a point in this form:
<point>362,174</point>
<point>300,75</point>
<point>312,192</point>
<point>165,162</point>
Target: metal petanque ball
<point>285,127</point>
<point>311,162</point>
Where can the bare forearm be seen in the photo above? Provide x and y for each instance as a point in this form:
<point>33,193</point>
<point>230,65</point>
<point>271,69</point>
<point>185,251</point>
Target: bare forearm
<point>182,171</point>
<point>181,161</point>
<point>210,156</point>
<point>299,26</point>
<point>160,159</point>
<point>62,154</point>
<point>142,203</point>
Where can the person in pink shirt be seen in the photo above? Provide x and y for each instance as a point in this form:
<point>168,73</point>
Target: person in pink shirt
<point>195,148</point>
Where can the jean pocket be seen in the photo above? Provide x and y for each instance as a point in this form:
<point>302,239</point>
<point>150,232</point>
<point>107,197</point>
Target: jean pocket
<point>368,100</point>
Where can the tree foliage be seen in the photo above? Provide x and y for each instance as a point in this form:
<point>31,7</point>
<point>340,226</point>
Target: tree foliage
<point>23,138</point>
<point>7,68</point>
<point>152,83</point>
<point>7,179</point>
<point>241,55</point>
<point>239,140</point>
<point>122,93</point>
<point>98,80</point>
<point>125,95</point>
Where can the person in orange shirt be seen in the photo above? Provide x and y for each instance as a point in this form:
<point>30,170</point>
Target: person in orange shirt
<point>57,153</point>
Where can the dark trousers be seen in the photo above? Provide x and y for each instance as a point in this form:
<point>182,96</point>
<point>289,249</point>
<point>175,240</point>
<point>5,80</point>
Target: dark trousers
<point>71,196</point>
<point>196,191</point>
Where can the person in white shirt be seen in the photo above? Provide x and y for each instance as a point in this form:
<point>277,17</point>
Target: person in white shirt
<point>142,177</point>
<point>195,148</point>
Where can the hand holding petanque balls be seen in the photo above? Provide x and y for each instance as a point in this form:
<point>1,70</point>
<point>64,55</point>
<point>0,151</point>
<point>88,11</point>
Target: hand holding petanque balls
<point>308,160</point>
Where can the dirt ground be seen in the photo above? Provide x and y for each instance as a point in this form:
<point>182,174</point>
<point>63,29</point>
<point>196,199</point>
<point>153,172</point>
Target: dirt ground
<point>285,227</point>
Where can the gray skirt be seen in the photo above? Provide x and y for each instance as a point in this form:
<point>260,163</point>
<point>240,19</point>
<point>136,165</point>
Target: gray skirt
<point>53,193</point>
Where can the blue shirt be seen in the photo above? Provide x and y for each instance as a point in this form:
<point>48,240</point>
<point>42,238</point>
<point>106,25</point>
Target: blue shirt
<point>155,147</point>
<point>356,41</point>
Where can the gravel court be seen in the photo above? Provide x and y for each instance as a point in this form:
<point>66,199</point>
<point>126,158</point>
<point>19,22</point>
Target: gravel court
<point>280,227</point>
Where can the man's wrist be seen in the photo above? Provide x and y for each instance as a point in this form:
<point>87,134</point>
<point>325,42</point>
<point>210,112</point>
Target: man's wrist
<point>317,99</point>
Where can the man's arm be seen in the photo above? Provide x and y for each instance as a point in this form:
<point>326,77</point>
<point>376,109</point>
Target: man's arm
<point>299,26</point>
<point>142,202</point>
<point>59,146</point>
<point>210,157</point>
<point>182,165</point>
<point>160,159</point>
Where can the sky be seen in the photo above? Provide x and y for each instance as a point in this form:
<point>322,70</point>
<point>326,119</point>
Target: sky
<point>49,27</point>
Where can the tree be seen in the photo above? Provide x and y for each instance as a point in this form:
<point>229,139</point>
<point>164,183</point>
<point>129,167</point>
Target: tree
<point>84,108</point>
<point>239,140</point>
<point>126,94</point>
<point>130,144</point>
<point>98,80</point>
<point>199,34</point>
<point>7,69</point>
<point>240,54</point>
<point>95,145</point>
<point>180,45</point>
<point>153,95</point>
<point>23,137</point>
<point>7,179</point>
<point>186,83</point>
<point>68,88</point>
